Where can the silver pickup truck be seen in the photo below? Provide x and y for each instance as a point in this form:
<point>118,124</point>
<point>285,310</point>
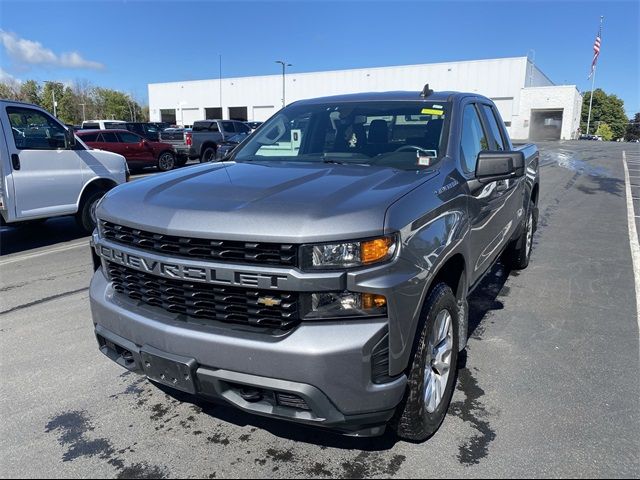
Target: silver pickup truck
<point>319,274</point>
<point>180,140</point>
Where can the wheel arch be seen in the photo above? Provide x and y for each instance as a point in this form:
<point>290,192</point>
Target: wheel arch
<point>95,185</point>
<point>206,145</point>
<point>453,273</point>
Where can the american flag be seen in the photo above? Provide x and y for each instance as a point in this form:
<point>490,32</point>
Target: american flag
<point>596,51</point>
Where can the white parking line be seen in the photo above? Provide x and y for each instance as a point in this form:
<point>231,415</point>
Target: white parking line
<point>82,243</point>
<point>633,238</point>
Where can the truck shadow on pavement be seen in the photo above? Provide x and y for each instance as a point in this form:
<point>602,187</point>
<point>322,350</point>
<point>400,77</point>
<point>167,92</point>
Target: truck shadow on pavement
<point>21,238</point>
<point>483,300</point>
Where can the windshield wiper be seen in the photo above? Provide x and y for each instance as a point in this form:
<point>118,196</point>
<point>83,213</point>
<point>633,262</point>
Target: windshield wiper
<point>329,160</point>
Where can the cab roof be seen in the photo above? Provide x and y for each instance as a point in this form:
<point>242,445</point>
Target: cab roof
<point>400,96</point>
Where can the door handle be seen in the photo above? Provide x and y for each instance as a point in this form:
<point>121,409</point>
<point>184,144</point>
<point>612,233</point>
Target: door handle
<point>15,161</point>
<point>502,185</point>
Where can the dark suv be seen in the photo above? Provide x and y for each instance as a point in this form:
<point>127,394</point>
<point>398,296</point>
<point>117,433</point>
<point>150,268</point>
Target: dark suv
<point>149,130</point>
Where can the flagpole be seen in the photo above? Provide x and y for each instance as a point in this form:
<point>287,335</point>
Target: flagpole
<point>593,83</point>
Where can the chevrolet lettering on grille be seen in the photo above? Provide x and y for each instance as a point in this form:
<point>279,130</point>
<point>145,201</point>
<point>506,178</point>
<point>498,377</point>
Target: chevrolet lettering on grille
<point>188,272</point>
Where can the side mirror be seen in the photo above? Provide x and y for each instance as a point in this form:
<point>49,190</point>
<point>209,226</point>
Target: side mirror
<point>494,166</point>
<point>70,138</point>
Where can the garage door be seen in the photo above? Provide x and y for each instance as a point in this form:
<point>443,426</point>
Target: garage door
<point>546,124</point>
<point>190,115</point>
<point>260,114</point>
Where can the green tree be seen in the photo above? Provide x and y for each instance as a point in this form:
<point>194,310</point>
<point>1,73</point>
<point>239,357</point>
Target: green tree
<point>604,131</point>
<point>8,91</point>
<point>68,106</point>
<point>607,109</point>
<point>30,92</point>
<point>112,104</point>
<point>49,91</point>
<point>633,129</point>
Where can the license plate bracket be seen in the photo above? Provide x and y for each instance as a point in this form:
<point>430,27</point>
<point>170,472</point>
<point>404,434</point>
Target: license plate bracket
<point>168,369</point>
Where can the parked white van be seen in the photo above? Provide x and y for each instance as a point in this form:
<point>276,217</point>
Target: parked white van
<point>45,171</point>
<point>102,124</point>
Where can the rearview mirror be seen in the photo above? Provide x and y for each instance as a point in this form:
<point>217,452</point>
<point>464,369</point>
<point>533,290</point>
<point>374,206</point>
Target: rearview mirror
<point>501,165</point>
<point>70,138</point>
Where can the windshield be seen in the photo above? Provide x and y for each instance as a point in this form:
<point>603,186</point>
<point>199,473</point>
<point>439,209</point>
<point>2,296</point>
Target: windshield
<point>403,135</point>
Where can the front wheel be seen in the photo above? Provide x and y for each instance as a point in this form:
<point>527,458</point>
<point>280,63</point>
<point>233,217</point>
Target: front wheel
<point>431,380</point>
<point>166,161</point>
<point>86,216</point>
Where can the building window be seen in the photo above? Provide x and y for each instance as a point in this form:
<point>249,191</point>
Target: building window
<point>507,124</point>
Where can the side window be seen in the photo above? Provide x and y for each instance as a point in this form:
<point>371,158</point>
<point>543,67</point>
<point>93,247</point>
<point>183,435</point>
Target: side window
<point>228,127</point>
<point>34,130</point>
<point>90,137</point>
<point>493,126</point>
<point>127,137</point>
<point>108,137</point>
<point>213,127</point>
<point>242,128</point>
<point>473,139</point>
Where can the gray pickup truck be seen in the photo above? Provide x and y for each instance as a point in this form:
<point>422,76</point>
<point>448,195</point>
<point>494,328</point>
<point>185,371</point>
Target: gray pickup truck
<point>320,273</point>
<point>207,135</point>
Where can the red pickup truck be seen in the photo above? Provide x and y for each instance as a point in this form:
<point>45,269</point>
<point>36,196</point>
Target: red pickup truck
<point>138,151</point>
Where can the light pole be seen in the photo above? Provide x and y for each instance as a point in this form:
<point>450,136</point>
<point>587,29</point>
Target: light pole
<point>53,94</point>
<point>284,65</point>
<point>83,116</point>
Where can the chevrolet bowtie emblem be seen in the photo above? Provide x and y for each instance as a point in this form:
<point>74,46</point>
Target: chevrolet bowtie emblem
<point>269,301</point>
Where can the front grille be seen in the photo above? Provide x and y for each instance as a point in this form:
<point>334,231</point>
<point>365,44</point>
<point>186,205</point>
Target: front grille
<point>279,254</point>
<point>206,302</point>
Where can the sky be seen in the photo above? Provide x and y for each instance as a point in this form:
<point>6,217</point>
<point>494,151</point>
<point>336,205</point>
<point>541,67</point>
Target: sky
<point>128,44</point>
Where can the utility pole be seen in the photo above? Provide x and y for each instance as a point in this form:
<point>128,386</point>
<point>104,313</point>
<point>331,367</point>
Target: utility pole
<point>83,116</point>
<point>53,95</point>
<point>284,65</point>
<point>220,82</point>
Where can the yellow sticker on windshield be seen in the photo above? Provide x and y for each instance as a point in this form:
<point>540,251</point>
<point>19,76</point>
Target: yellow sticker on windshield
<point>431,111</point>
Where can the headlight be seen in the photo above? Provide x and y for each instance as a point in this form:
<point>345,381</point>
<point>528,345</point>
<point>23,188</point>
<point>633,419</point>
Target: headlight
<point>349,254</point>
<point>343,304</point>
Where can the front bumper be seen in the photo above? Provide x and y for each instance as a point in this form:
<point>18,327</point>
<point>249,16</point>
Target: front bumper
<point>326,364</point>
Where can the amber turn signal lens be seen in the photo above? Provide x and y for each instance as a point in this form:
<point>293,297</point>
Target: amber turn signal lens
<point>375,250</point>
<point>371,300</point>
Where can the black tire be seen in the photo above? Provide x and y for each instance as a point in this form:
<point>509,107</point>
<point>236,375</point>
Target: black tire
<point>518,254</point>
<point>208,154</point>
<point>85,218</point>
<point>412,420</point>
<point>181,161</point>
<point>166,161</point>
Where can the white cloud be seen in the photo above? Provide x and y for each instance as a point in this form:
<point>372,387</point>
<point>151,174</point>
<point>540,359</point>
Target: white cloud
<point>34,53</point>
<point>6,77</point>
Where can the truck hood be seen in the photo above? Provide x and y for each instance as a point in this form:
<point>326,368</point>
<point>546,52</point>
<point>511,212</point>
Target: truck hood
<point>270,201</point>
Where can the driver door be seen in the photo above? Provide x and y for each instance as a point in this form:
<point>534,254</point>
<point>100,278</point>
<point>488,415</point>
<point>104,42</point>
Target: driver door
<point>47,177</point>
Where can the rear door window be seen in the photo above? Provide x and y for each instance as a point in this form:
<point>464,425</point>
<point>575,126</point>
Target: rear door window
<point>90,137</point>
<point>228,127</point>
<point>128,137</point>
<point>108,137</point>
<point>242,128</point>
<point>493,127</point>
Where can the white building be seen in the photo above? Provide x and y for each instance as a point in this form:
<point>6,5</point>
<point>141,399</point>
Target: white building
<point>532,106</point>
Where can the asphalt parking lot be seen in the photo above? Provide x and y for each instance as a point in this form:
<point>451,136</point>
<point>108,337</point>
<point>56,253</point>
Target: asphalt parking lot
<point>549,385</point>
